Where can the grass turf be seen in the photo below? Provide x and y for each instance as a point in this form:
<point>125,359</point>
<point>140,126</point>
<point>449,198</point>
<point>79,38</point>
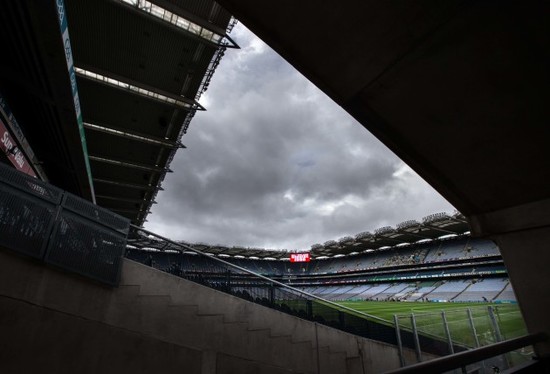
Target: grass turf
<point>429,319</point>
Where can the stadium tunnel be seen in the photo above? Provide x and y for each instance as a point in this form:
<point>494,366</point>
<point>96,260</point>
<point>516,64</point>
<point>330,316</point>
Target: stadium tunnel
<point>459,90</point>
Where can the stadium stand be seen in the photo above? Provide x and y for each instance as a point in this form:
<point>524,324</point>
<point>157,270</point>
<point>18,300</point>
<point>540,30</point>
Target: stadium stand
<point>480,248</point>
<point>448,290</point>
<point>373,292</point>
<point>483,290</point>
<point>507,293</point>
<point>422,289</point>
<point>390,292</point>
<point>457,268</point>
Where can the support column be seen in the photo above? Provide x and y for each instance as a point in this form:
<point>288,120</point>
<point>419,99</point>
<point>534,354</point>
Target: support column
<point>522,233</point>
<point>526,255</point>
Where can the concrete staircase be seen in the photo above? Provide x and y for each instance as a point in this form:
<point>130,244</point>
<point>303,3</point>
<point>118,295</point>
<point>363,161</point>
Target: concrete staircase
<point>156,320</point>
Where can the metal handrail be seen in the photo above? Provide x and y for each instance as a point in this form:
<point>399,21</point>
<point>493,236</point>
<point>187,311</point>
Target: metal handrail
<point>337,306</point>
<point>457,360</point>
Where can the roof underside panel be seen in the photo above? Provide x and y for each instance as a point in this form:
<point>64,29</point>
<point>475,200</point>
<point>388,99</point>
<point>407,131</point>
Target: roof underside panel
<point>205,9</point>
<point>114,107</point>
<point>121,192</point>
<point>117,148</point>
<point>123,174</point>
<point>132,136</point>
<point>116,39</point>
<point>138,77</point>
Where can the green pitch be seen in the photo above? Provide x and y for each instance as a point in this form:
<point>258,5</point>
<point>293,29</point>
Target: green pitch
<point>479,330</point>
<point>429,319</point>
<point>386,309</point>
<point>469,325</point>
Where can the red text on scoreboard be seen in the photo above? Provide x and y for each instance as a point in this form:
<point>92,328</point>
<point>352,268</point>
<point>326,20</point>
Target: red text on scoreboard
<point>299,257</point>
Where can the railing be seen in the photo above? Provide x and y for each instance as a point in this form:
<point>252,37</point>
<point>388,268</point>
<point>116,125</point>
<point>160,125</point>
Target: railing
<point>463,359</point>
<point>465,329</point>
<point>44,222</point>
<point>192,264</point>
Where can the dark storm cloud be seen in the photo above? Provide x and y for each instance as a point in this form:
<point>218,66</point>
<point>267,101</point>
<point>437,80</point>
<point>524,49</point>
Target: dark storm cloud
<point>275,163</point>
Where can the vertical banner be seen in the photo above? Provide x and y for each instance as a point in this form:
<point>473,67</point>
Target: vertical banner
<point>12,151</point>
<point>63,25</point>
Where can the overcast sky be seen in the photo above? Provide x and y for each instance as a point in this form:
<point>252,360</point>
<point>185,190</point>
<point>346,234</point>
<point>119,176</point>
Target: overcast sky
<point>274,163</point>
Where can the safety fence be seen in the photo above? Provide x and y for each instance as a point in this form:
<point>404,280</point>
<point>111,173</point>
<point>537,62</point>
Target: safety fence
<point>465,329</point>
<point>59,228</point>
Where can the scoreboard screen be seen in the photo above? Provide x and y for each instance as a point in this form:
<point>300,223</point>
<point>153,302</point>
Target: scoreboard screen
<point>300,257</point>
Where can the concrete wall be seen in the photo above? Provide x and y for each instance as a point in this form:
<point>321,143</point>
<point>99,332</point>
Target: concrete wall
<point>35,339</point>
<point>154,322</point>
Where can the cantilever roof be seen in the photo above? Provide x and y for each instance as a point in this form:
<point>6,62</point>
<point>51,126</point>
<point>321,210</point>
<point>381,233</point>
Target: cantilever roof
<point>139,76</point>
<point>408,232</point>
<point>135,73</point>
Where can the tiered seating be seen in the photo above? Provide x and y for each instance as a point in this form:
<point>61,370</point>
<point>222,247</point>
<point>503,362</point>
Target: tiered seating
<point>404,293</point>
<point>453,290</point>
<point>372,292</point>
<point>251,265</point>
<point>410,256</point>
<point>276,267</point>
<point>481,248</point>
<point>483,290</point>
<point>353,292</point>
<point>422,290</point>
<point>378,266</point>
<point>391,291</point>
<point>450,250</point>
<point>325,266</point>
<point>357,291</point>
<point>339,292</point>
<point>507,294</point>
<point>162,262</point>
<point>324,291</point>
<point>448,290</point>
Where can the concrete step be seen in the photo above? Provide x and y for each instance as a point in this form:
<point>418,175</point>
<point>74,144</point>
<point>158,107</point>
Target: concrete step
<point>237,310</point>
<point>156,315</point>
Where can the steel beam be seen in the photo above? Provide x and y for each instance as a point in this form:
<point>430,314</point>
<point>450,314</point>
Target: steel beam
<point>133,165</point>
<point>133,136</point>
<point>129,185</point>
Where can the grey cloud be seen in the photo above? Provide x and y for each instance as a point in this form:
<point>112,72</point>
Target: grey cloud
<point>275,163</point>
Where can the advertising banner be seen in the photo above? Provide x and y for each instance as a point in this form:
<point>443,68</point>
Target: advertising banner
<point>12,151</point>
<point>300,257</point>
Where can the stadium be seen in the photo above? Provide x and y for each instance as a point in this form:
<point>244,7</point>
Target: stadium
<point>96,99</point>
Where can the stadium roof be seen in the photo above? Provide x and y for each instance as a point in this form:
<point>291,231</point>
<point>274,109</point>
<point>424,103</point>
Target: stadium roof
<point>408,232</point>
<point>138,70</point>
